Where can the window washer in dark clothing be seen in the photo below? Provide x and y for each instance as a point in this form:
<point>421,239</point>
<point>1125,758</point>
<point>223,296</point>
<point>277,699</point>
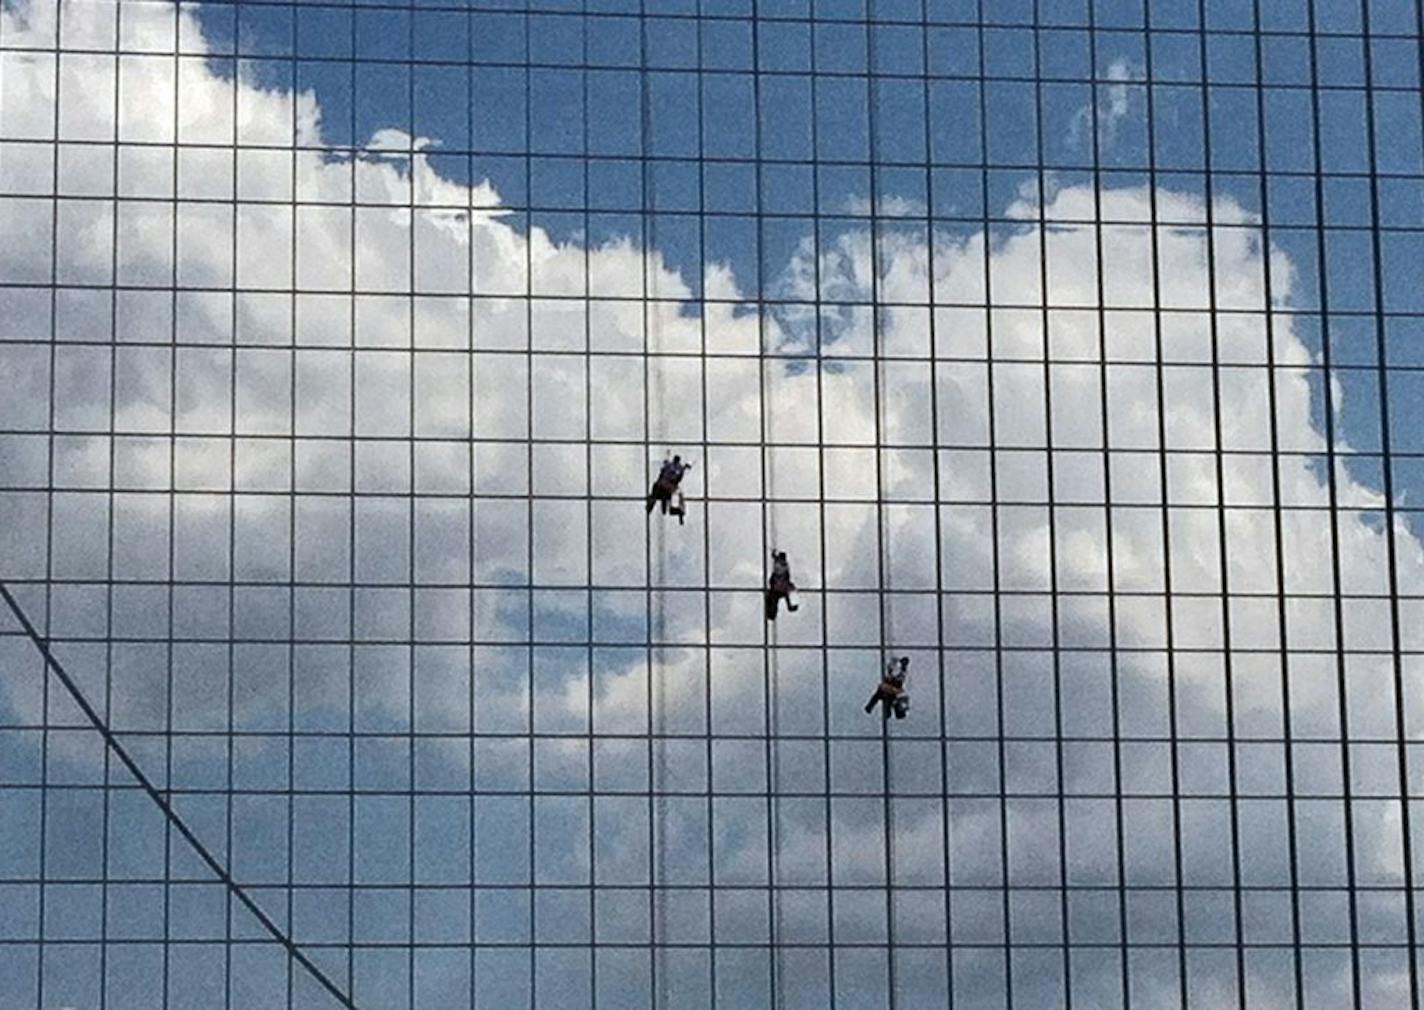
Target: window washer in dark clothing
<point>779,587</point>
<point>666,487</point>
<point>890,692</point>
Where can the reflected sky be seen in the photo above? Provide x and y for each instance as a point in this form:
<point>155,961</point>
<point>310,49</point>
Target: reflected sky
<point>329,423</point>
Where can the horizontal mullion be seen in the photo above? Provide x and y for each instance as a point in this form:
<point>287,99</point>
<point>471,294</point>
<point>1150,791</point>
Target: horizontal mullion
<point>871,73</point>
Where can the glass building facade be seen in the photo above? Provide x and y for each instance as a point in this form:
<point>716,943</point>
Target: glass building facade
<point>1071,349</point>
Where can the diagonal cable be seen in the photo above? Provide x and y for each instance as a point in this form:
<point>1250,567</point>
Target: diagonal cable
<point>163,804</point>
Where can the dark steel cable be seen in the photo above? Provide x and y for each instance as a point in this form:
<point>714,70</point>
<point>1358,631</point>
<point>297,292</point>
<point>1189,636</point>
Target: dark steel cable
<point>176,822</point>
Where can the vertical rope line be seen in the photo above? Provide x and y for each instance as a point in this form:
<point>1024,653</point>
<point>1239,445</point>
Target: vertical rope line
<point>1051,514</point>
<point>1278,531</point>
<point>884,570</point>
<point>933,364</point>
<point>1332,476</point>
<point>1393,525</point>
<point>999,736</point>
<point>1169,626</point>
<point>767,449</point>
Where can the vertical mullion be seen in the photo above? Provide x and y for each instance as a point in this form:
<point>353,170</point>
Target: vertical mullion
<point>351,807</point>
<point>943,742</point>
<point>1390,532</point>
<point>588,509</point>
<point>232,518</point>
<point>529,488</point>
<point>653,654</point>
<point>818,295</point>
<point>1328,416</point>
<point>49,486</point>
<point>706,516</point>
<point>412,542</point>
<point>172,529</point>
<point>1222,528</point>
<point>992,427</point>
<point>289,896</point>
<point>109,552</point>
<point>1278,531</point>
<point>471,520</point>
<point>1051,514</point>
<point>1104,406</point>
<point>292,454</point>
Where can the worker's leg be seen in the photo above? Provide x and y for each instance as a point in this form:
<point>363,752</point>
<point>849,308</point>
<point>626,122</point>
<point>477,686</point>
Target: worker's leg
<point>871,703</point>
<point>771,604</point>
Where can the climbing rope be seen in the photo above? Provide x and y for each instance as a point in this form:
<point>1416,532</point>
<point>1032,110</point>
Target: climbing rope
<point>652,327</point>
<point>883,543</point>
<point>163,804</point>
<point>773,726</point>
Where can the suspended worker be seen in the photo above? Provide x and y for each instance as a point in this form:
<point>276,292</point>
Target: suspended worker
<point>779,587</point>
<point>666,491</point>
<point>890,692</point>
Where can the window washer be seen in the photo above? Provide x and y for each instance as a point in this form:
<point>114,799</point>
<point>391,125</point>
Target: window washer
<point>665,490</point>
<point>890,692</point>
<point>779,587</point>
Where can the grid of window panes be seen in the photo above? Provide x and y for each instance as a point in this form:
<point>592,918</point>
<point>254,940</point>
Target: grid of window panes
<point>1073,349</point>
